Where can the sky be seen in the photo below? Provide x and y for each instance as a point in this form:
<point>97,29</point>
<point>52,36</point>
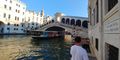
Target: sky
<point>67,7</point>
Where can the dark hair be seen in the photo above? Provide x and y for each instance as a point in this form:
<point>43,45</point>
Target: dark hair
<point>77,39</point>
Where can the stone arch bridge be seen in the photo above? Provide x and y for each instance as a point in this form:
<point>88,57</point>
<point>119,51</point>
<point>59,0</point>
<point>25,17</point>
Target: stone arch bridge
<point>74,30</point>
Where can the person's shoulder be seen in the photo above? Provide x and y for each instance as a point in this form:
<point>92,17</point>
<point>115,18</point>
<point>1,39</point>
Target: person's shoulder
<point>73,46</point>
<point>83,49</point>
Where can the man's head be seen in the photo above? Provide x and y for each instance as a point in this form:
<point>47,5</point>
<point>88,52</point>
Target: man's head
<point>77,39</point>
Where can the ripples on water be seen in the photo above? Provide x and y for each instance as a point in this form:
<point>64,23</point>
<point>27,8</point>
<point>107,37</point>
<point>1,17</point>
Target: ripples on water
<point>25,48</point>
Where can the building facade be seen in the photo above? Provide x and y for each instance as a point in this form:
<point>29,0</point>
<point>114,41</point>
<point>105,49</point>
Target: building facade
<point>14,18</point>
<point>12,14</point>
<point>47,19</point>
<point>104,28</point>
<point>33,20</point>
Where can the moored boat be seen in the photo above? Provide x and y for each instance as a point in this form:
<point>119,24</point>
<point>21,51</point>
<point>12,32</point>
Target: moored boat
<point>47,35</point>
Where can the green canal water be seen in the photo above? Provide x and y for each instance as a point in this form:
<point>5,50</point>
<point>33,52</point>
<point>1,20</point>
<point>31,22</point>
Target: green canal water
<point>19,47</point>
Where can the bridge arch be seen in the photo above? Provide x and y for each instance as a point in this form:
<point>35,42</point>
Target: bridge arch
<point>63,20</point>
<point>53,21</point>
<point>67,21</point>
<point>55,28</point>
<point>85,24</point>
<point>73,22</point>
<point>2,27</point>
<point>78,23</point>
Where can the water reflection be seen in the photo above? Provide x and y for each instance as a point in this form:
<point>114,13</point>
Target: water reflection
<point>26,48</point>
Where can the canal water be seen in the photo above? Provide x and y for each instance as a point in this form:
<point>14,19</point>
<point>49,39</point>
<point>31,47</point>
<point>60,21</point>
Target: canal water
<point>19,47</point>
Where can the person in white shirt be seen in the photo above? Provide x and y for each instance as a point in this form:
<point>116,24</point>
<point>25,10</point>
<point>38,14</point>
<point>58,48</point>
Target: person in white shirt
<point>77,52</point>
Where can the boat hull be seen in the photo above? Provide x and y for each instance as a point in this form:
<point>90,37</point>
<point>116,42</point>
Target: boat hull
<point>38,37</point>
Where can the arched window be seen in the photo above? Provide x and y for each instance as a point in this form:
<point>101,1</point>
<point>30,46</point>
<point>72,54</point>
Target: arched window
<point>8,23</point>
<point>52,21</point>
<point>85,24</point>
<point>73,22</point>
<point>67,21</point>
<point>63,20</point>
<point>78,23</point>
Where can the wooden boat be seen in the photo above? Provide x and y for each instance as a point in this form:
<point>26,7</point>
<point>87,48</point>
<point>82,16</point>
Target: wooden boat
<point>47,35</point>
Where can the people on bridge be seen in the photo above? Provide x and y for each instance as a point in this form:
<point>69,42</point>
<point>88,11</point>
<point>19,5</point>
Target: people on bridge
<point>77,52</point>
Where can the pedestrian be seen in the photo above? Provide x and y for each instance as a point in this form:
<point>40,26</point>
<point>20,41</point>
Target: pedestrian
<point>77,52</point>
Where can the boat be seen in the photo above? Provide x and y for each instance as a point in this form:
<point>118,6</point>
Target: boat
<point>47,35</point>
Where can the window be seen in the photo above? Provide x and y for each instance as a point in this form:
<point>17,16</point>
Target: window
<point>17,25</point>
<point>14,24</point>
<point>18,18</point>
<point>96,43</point>
<point>8,24</point>
<point>32,23</point>
<point>22,25</point>
<point>32,27</point>
<point>16,4</point>
<point>97,12</point>
<point>9,8</point>
<point>28,18</point>
<point>90,16</point>
<point>8,28</point>
<point>22,29</point>
<point>112,53</point>
<point>36,24</point>
<point>93,17</point>
<point>15,18</point>
<point>16,10</point>
<point>9,16</point>
<point>10,1</point>
<point>5,6</point>
<point>14,28</point>
<point>23,13</point>
<point>19,5</point>
<point>4,15</point>
<point>111,4</point>
<point>92,40</point>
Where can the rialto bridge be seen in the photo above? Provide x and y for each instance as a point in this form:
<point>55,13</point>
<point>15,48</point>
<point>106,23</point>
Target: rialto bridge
<point>74,25</point>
